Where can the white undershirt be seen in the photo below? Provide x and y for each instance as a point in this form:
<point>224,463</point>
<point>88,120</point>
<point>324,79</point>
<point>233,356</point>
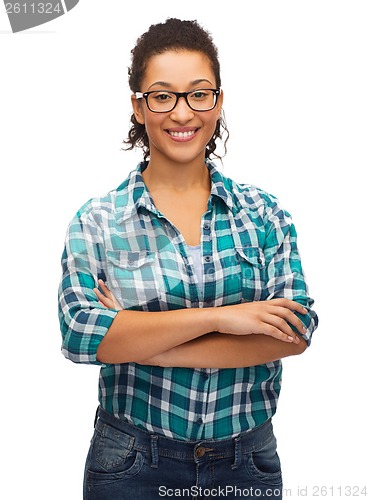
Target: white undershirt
<point>195,252</point>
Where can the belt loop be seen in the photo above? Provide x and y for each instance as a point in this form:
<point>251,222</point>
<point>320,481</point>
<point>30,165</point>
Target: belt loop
<point>96,416</point>
<point>154,451</point>
<point>237,453</point>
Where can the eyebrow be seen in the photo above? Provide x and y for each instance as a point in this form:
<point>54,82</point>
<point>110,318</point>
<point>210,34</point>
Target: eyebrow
<point>168,85</point>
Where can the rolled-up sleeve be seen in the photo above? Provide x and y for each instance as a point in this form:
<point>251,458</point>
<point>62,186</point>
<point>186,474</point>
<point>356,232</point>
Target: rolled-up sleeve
<point>83,321</point>
<point>284,274</point>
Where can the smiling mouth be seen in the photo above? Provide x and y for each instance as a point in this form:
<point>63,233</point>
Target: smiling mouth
<point>182,135</point>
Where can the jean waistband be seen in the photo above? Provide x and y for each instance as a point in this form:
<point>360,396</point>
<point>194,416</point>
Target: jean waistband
<point>202,449</point>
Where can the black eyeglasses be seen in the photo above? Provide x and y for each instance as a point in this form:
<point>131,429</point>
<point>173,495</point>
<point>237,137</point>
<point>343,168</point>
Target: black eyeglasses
<point>163,101</point>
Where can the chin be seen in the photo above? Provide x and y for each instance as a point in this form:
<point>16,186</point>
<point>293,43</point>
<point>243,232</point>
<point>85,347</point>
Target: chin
<point>186,155</point>
<point>185,159</point>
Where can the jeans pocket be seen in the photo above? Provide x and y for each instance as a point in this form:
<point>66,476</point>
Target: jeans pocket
<point>112,454</point>
<point>264,464</point>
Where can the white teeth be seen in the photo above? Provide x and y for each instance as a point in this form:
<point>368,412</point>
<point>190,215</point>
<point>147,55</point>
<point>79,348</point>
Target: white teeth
<point>182,134</point>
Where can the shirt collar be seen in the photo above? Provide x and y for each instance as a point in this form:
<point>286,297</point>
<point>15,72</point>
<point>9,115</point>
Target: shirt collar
<point>221,186</point>
<point>133,193</point>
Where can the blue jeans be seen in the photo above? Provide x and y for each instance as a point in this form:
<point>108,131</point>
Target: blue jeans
<point>125,462</point>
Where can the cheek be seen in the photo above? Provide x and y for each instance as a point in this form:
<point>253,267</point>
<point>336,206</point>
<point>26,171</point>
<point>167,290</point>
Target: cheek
<point>212,118</point>
<point>153,123</point>
<point>211,123</point>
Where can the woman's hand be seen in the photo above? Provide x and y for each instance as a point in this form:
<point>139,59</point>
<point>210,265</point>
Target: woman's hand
<point>269,317</point>
<point>107,298</point>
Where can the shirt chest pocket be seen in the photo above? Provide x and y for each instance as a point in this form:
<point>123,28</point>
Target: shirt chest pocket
<point>252,267</point>
<point>134,277</point>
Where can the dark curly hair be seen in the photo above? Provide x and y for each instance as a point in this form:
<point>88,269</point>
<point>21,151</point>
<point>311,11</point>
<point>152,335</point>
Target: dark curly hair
<point>173,34</point>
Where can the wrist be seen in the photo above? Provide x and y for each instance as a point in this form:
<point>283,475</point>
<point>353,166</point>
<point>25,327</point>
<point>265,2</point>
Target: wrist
<point>215,318</point>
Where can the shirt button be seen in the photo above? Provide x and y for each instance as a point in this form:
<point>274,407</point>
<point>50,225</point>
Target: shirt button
<point>199,421</point>
<point>206,226</point>
<point>207,258</point>
<point>205,375</point>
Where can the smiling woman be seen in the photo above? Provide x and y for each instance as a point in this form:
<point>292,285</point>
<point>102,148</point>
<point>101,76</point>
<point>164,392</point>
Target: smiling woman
<point>187,289</point>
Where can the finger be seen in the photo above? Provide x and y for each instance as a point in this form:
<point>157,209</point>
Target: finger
<point>289,304</point>
<point>103,286</point>
<point>106,291</point>
<point>282,325</point>
<point>102,298</point>
<point>99,295</point>
<point>290,317</point>
<point>273,331</point>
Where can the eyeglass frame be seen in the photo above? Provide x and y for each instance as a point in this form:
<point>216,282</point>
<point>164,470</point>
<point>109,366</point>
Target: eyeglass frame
<point>145,95</point>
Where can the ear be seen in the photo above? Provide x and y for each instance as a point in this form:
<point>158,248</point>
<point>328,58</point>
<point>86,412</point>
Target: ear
<point>137,109</point>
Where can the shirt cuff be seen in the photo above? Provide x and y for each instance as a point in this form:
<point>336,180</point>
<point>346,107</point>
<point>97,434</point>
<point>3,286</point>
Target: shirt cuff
<point>84,334</point>
<point>310,320</point>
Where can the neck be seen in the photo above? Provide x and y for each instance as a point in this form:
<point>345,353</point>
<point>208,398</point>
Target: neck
<point>177,177</point>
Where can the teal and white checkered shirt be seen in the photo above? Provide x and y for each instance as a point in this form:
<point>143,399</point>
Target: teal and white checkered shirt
<point>249,253</point>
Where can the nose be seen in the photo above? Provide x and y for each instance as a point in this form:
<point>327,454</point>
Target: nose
<point>182,113</point>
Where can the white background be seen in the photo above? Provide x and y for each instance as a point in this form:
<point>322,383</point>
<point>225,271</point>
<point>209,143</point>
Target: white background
<point>296,79</point>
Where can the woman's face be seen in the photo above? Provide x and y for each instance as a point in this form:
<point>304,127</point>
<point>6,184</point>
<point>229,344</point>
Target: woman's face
<point>180,135</point>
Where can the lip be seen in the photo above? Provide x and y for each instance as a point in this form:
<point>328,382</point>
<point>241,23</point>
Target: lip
<point>182,134</point>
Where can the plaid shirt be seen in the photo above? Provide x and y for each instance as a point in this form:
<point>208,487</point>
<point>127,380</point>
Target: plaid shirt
<point>249,253</point>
